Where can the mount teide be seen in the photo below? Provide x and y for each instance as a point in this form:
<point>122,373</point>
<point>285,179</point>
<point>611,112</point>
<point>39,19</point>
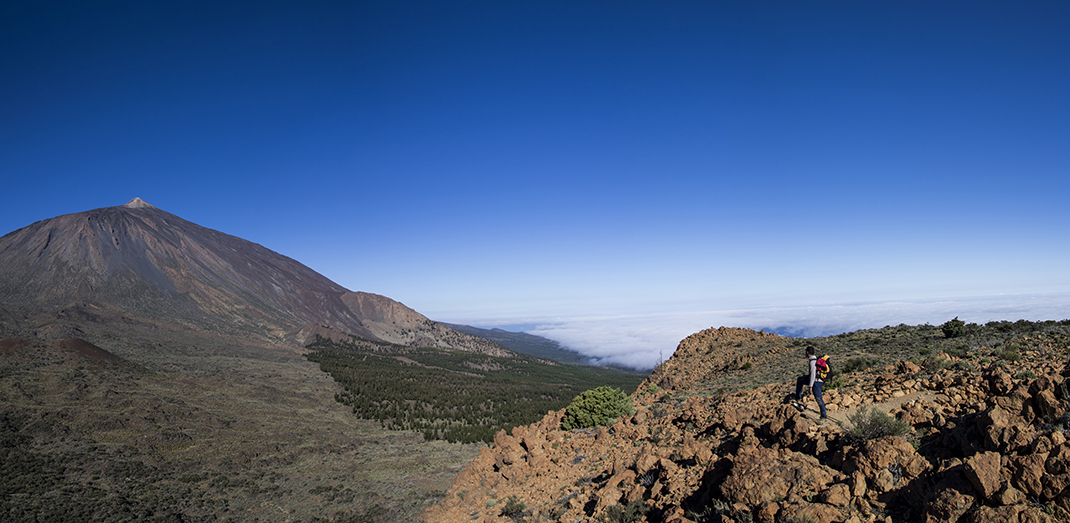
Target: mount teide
<point>148,263</point>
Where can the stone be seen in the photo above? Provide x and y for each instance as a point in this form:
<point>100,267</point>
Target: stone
<point>1057,438</point>
<point>818,512</point>
<point>858,484</point>
<point>983,471</point>
<point>1029,473</point>
<point>1048,406</point>
<point>1058,461</point>
<point>766,512</point>
<point>917,466</point>
<point>625,477</point>
<point>954,497</point>
<point>1006,514</point>
<point>880,453</point>
<point>999,382</point>
<point>838,495</point>
<point>759,475</point>
<point>607,497</point>
<point>883,481</point>
<point>1010,496</point>
<point>1055,485</point>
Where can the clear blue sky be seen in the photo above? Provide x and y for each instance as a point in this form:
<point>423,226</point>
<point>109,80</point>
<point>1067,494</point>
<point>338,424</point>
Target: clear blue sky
<point>545,163</point>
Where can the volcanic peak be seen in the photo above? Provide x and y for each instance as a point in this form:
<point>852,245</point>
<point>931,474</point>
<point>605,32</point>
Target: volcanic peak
<point>138,203</point>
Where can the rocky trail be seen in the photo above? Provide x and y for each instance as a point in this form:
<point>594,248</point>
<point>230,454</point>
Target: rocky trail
<point>984,442</point>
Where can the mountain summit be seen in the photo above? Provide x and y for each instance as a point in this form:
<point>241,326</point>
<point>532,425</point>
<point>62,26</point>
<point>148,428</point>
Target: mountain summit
<point>138,203</point>
<point>151,263</point>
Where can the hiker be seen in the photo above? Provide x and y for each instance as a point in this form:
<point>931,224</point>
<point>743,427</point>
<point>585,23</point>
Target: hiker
<point>811,379</point>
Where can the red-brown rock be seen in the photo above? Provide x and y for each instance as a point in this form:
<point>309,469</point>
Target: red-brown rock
<point>983,471</point>
<point>759,475</point>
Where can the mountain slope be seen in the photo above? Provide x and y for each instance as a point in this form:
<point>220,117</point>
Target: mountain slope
<point>525,343</point>
<point>153,263</point>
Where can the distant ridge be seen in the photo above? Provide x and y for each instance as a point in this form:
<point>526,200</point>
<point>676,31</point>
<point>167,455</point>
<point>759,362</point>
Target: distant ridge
<point>525,343</point>
<point>151,263</point>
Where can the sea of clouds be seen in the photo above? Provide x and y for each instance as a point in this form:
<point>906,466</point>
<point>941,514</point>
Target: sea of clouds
<point>642,341</point>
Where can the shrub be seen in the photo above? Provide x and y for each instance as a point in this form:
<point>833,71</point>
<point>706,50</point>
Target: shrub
<point>514,509</point>
<point>956,353</point>
<point>933,364</point>
<point>834,382</point>
<point>954,328</point>
<point>859,363</point>
<point>633,511</point>
<point>874,424</point>
<point>1010,354</point>
<point>595,407</point>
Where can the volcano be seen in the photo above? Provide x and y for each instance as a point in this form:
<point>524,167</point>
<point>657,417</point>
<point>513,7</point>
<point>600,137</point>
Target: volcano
<point>150,263</point>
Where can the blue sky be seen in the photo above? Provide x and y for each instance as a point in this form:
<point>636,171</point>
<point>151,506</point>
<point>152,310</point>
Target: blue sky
<point>615,174</point>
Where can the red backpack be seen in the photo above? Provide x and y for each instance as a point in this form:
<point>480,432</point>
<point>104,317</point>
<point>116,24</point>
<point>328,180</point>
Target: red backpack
<point>823,367</point>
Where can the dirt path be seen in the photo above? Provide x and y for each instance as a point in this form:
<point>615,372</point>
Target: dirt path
<point>842,417</point>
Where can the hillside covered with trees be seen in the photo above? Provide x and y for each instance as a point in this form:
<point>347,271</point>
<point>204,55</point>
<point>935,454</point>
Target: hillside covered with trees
<point>453,395</point>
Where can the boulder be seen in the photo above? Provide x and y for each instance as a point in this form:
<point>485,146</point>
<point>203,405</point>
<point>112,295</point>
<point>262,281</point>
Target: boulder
<point>1055,486</point>
<point>1048,406</point>
<point>760,475</point>
<point>1006,514</point>
<point>983,471</point>
<point>879,454</point>
<point>954,496</point>
<point>766,512</point>
<point>999,381</point>
<point>1029,473</point>
<point>838,495</point>
<point>818,512</point>
<point>908,368</point>
<point>1004,431</point>
<point>1010,496</point>
<point>1058,461</point>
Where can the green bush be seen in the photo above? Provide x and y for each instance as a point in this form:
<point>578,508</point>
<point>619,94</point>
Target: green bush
<point>514,509</point>
<point>859,363</point>
<point>933,364</point>
<point>834,382</point>
<point>1010,353</point>
<point>874,424</point>
<point>596,407</point>
<point>633,511</point>
<point>954,328</point>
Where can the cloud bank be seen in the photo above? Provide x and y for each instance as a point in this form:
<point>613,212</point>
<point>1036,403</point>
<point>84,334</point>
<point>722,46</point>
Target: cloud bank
<point>642,341</point>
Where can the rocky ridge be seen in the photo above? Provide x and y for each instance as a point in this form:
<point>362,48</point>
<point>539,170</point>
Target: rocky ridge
<point>986,444</point>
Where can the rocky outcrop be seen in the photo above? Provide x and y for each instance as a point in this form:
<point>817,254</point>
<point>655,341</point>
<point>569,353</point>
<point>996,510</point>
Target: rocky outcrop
<point>984,445</point>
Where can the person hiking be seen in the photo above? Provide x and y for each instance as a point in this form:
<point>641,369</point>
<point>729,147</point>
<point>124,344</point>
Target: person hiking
<point>812,380</point>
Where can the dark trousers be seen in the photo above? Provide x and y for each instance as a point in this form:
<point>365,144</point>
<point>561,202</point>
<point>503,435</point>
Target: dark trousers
<point>802,383</point>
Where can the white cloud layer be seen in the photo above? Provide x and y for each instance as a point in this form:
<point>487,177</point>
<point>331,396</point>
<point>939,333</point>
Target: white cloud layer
<point>643,340</point>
